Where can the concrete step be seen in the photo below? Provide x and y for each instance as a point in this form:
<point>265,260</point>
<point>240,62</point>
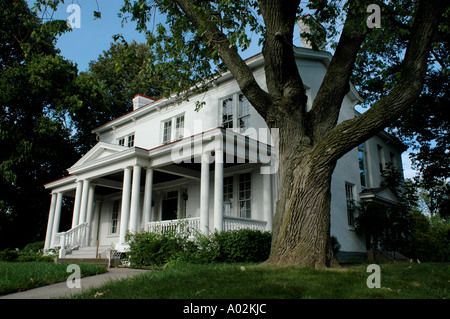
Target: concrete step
<point>86,252</point>
<point>94,261</point>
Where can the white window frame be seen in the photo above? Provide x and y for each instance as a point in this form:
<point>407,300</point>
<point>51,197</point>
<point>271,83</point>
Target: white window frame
<point>362,149</point>
<point>350,201</point>
<point>237,114</point>
<point>235,200</point>
<point>111,219</point>
<point>176,131</point>
<point>130,140</point>
<point>127,140</point>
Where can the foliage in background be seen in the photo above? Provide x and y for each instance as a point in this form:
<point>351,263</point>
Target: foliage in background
<point>36,87</point>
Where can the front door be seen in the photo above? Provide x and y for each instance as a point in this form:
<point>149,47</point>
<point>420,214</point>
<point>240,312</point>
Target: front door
<point>170,205</point>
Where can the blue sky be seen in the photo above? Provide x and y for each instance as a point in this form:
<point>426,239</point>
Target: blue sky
<point>94,36</point>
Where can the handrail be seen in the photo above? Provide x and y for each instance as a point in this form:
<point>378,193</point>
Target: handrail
<point>235,223</point>
<point>71,239</point>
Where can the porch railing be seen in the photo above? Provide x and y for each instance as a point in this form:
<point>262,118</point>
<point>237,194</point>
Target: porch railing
<point>71,239</point>
<point>176,225</point>
<point>235,223</point>
<point>189,224</point>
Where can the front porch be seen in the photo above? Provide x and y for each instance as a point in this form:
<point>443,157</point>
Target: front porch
<point>117,190</point>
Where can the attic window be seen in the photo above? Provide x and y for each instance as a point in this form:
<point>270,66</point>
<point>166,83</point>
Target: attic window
<point>126,140</point>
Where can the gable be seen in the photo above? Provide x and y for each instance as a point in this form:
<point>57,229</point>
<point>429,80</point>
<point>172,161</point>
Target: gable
<point>379,194</point>
<point>387,194</point>
<point>100,150</point>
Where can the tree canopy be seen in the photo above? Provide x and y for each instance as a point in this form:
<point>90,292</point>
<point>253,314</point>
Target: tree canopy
<point>35,87</point>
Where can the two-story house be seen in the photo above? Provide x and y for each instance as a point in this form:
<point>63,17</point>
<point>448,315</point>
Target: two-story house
<point>215,168</point>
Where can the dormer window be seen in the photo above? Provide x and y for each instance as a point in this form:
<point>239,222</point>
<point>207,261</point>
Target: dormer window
<point>173,129</point>
<point>236,112</point>
<point>126,140</point>
<point>130,140</point>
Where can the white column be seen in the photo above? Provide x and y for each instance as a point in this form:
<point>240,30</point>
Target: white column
<point>267,199</point>
<point>95,223</point>
<point>218,190</point>
<point>77,203</point>
<point>125,209</point>
<point>51,217</point>
<point>90,212</point>
<point>135,199</point>
<point>148,196</point>
<point>84,202</point>
<point>55,227</point>
<point>204,195</point>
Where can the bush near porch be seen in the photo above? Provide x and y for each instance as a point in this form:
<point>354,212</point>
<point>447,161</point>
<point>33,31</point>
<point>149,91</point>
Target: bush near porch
<point>158,249</point>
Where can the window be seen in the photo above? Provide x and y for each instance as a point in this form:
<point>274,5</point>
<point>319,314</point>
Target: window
<point>115,217</point>
<point>179,127</point>
<point>380,158</point>
<point>228,196</point>
<point>126,140</point>
<point>245,195</point>
<point>362,164</point>
<point>227,113</point>
<point>167,131</point>
<point>173,129</point>
<point>244,113</point>
<point>236,112</point>
<point>131,140</point>
<point>350,200</point>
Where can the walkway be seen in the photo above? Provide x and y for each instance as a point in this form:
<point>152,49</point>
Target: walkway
<point>61,289</point>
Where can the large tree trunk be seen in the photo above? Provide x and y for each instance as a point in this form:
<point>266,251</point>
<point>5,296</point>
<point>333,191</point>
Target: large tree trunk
<point>301,229</point>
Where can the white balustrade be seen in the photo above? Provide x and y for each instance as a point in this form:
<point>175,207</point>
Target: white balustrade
<point>189,224</point>
<point>174,225</point>
<point>235,223</point>
<point>71,239</point>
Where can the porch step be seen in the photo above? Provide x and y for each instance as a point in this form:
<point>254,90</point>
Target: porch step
<point>86,252</point>
<point>93,261</point>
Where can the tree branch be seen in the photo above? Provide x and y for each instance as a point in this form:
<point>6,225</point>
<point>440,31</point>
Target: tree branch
<point>350,133</point>
<point>336,83</point>
<point>259,99</point>
<point>282,76</point>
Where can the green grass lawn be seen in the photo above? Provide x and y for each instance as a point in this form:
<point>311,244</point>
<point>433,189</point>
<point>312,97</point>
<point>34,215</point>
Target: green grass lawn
<point>229,281</point>
<point>16,276</point>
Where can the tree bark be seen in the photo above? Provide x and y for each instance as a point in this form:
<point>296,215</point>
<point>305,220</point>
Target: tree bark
<point>301,227</point>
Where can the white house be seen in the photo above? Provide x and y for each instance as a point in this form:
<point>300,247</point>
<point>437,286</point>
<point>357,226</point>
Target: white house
<point>215,168</point>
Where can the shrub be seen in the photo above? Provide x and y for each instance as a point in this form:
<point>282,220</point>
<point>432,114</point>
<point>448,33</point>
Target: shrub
<point>153,249</point>
<point>35,247</point>
<point>31,252</point>
<point>157,249</point>
<point>244,245</point>
<point>9,255</point>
